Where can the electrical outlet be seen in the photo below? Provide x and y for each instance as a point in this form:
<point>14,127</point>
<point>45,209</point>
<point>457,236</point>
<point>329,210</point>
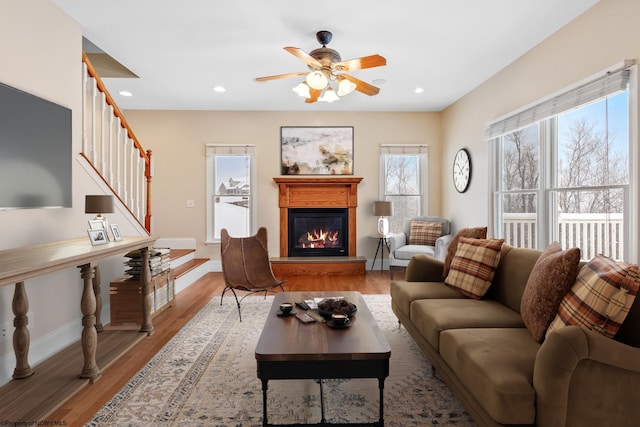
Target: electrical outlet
<point>191,203</point>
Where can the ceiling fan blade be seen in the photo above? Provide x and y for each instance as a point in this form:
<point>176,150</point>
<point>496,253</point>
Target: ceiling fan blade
<point>281,76</point>
<point>301,54</point>
<point>315,94</point>
<point>361,86</point>
<point>360,63</point>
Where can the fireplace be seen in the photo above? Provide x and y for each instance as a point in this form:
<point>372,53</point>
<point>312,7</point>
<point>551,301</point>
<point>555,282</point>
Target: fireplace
<point>318,231</point>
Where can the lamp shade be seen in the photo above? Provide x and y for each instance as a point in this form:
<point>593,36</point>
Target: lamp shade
<point>382,208</point>
<point>98,204</point>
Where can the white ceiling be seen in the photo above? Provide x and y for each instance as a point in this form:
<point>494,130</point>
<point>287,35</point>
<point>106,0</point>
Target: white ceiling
<point>182,49</point>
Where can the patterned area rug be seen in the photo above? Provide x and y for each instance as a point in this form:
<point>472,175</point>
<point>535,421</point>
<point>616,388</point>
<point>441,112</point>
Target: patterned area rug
<point>206,376</point>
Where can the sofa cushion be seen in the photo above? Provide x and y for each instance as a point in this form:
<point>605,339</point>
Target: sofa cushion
<point>473,267</point>
<point>474,233</point>
<point>496,367</point>
<point>551,278</point>
<point>512,275</point>
<point>424,233</point>
<point>432,316</point>
<point>600,298</point>
<point>408,251</point>
<point>404,293</point>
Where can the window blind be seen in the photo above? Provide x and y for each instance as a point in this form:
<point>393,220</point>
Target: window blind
<point>404,149</point>
<point>230,149</point>
<point>606,85</point>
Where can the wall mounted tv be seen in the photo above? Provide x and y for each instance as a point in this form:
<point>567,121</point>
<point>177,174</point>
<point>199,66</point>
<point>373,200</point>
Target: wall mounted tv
<point>35,152</point>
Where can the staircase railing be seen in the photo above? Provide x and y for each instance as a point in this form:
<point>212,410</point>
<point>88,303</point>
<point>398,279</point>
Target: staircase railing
<point>109,144</point>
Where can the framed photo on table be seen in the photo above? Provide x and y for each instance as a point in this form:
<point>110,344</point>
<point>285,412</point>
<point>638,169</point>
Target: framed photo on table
<point>96,224</point>
<point>115,230</point>
<point>316,150</point>
<point>98,237</point>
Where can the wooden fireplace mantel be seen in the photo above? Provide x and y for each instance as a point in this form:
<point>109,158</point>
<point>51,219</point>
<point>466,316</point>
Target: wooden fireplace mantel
<point>317,192</point>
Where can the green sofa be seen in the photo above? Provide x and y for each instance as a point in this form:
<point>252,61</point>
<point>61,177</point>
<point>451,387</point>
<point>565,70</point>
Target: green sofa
<point>484,353</point>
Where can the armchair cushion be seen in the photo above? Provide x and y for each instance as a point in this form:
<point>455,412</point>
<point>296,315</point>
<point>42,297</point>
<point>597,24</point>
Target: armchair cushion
<point>474,265</point>
<point>424,233</point>
<point>600,298</point>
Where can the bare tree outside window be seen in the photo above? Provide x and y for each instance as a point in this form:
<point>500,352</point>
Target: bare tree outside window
<point>402,187</point>
<point>588,169</point>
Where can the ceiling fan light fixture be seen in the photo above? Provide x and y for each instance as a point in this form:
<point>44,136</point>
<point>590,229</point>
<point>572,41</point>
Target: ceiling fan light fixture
<point>317,80</point>
<point>329,95</point>
<point>345,87</point>
<point>303,90</point>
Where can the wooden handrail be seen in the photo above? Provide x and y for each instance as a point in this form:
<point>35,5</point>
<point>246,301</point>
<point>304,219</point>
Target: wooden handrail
<point>146,155</point>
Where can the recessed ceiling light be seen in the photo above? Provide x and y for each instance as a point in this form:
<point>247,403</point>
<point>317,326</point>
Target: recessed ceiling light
<point>125,93</point>
<point>379,81</point>
<point>418,90</point>
<point>219,89</point>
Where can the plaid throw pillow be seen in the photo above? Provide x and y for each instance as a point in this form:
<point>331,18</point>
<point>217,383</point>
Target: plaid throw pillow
<point>475,233</point>
<point>474,265</point>
<point>600,298</point>
<point>424,233</point>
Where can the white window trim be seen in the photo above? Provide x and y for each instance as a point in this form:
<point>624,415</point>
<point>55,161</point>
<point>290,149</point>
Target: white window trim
<point>422,149</point>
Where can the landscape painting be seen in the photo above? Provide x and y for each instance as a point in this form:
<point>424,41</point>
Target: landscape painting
<point>317,150</point>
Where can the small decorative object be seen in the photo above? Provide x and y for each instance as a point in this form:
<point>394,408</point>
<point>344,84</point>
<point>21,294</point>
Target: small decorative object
<point>115,230</point>
<point>98,237</point>
<point>327,307</point>
<point>462,170</point>
<point>383,209</point>
<point>99,204</point>
<point>96,224</point>
<point>316,150</point>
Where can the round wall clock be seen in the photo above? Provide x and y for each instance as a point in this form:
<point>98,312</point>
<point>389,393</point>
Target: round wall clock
<point>462,170</point>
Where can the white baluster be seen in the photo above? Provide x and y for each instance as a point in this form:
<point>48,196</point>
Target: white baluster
<point>85,75</point>
<point>93,122</point>
<point>103,165</point>
<point>111,145</point>
<point>118,150</point>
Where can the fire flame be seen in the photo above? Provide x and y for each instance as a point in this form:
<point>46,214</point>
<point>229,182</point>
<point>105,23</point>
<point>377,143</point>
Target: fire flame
<point>319,239</point>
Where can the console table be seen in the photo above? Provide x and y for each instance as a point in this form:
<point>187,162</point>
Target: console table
<point>20,264</point>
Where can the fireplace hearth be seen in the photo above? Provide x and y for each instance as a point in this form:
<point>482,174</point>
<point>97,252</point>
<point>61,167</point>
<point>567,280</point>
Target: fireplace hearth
<point>318,232</point>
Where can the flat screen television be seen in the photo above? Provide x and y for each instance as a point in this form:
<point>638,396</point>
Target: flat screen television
<point>35,152</point>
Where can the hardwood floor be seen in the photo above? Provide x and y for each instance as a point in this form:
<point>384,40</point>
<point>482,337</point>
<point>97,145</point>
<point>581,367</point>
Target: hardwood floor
<point>82,406</point>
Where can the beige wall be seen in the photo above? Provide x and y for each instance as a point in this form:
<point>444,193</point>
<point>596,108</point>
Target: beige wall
<point>603,36</point>
<point>178,138</point>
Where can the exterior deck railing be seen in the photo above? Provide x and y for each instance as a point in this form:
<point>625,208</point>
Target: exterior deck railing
<point>593,233</point>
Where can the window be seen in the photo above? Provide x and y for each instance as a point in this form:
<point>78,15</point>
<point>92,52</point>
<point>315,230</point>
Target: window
<point>230,191</point>
<point>403,174</point>
<point>562,170</point>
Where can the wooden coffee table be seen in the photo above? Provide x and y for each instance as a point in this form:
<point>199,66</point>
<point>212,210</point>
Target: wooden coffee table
<point>289,349</point>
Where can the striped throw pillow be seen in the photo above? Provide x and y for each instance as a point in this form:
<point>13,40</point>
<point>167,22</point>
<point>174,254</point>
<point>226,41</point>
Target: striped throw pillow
<point>474,265</point>
<point>424,233</point>
<point>600,298</point>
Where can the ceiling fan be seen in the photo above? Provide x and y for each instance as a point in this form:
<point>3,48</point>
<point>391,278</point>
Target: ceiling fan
<point>326,66</point>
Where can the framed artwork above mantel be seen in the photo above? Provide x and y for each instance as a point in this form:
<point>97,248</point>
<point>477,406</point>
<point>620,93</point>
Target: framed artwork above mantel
<point>316,150</point>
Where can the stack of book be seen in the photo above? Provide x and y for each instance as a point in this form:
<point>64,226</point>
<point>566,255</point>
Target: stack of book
<point>158,262</point>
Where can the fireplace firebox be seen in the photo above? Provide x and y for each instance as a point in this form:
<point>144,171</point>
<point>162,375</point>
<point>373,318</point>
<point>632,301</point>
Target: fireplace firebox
<point>318,232</point>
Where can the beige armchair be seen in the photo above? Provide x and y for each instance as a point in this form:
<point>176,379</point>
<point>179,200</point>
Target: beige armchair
<point>426,239</point>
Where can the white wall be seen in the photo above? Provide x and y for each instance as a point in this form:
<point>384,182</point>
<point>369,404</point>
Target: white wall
<point>40,53</point>
<point>603,36</point>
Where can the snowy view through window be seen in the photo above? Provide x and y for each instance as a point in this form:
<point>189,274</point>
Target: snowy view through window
<point>232,195</point>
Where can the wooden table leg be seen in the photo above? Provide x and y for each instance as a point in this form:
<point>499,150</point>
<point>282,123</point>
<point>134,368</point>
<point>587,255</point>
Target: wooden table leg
<point>89,338</point>
<point>21,337</point>
<point>97,291</point>
<point>147,295</point>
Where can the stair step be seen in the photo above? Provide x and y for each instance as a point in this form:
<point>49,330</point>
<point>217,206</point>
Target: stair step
<point>177,253</point>
<point>186,267</point>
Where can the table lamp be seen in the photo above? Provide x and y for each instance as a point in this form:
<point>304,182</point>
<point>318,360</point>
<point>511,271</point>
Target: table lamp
<point>382,210</point>
<point>99,204</point>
